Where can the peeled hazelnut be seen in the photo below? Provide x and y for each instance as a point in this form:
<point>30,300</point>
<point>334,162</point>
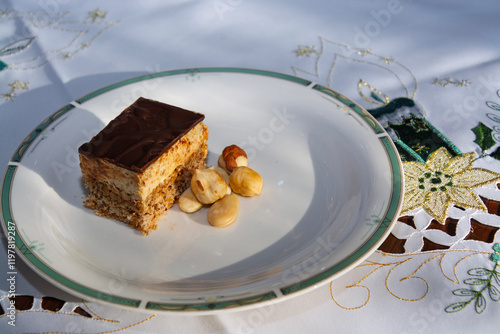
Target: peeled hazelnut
<point>224,211</point>
<point>221,162</point>
<point>232,156</point>
<point>188,202</point>
<point>224,175</point>
<point>245,181</point>
<point>208,186</point>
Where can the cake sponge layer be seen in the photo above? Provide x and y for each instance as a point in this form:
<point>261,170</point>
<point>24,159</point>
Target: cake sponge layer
<point>110,201</point>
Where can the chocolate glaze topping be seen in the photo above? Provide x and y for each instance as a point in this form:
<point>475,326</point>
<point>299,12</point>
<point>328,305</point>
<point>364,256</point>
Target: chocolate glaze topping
<point>141,133</point>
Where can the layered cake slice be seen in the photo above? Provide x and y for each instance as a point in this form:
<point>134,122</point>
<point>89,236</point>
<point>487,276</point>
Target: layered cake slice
<point>142,161</point>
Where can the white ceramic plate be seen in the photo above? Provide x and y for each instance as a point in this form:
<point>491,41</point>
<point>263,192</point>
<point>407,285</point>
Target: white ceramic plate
<point>333,186</point>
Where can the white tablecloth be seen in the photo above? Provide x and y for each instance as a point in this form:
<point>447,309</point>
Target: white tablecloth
<point>444,55</point>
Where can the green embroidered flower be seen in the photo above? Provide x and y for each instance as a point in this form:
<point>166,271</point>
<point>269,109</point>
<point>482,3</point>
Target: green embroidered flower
<point>495,257</point>
<point>496,247</point>
<point>443,181</point>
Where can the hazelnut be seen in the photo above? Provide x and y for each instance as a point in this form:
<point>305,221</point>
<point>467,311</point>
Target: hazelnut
<point>245,181</point>
<point>208,186</point>
<point>224,175</point>
<point>232,156</point>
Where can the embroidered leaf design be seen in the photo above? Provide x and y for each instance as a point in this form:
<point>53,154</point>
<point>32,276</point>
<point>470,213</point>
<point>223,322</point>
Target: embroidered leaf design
<point>493,105</point>
<point>479,272</point>
<point>493,117</point>
<point>16,46</point>
<point>487,283</point>
<point>476,281</point>
<point>376,97</point>
<point>494,293</point>
<point>483,136</point>
<point>480,304</point>
<point>464,292</point>
<point>3,65</point>
<point>496,154</point>
<point>455,307</point>
<point>496,276</point>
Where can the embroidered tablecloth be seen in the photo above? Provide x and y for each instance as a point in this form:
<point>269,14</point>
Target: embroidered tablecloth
<point>429,72</point>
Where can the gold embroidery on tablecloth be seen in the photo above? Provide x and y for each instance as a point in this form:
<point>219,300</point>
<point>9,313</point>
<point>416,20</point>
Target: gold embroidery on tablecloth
<point>73,315</point>
<point>354,286</point>
<point>120,329</point>
<point>14,87</point>
<point>378,266</point>
<point>97,14</point>
<point>349,287</point>
<point>55,309</point>
<point>357,284</point>
<point>96,315</point>
<point>305,50</point>
<point>48,312</point>
<point>390,64</point>
<point>55,22</point>
<point>408,258</point>
<point>364,52</point>
<point>448,81</point>
<point>375,93</point>
<point>411,276</point>
<point>387,60</point>
<point>456,280</point>
<point>19,85</point>
<point>79,38</point>
<point>105,332</point>
<point>443,181</point>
